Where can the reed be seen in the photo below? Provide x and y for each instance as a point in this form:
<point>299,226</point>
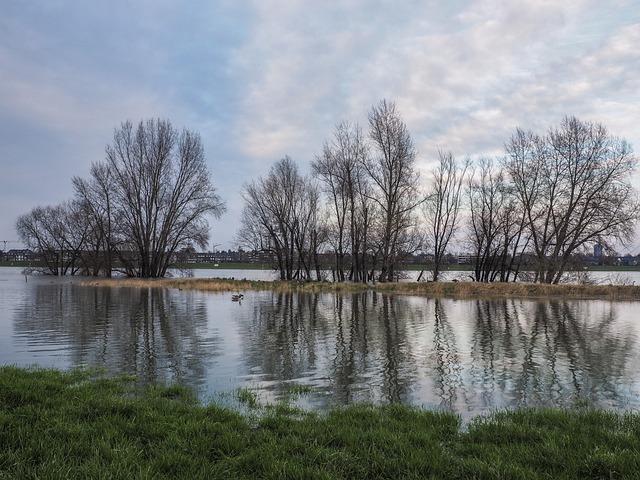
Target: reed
<point>427,289</point>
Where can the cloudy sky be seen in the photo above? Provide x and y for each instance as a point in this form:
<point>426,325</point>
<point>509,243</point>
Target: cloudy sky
<point>267,78</point>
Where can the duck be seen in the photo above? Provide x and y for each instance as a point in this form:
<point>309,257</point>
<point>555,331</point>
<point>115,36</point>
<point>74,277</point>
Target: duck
<point>236,297</point>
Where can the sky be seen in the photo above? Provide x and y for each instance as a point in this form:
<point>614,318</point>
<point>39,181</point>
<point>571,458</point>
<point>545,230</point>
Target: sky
<point>262,79</point>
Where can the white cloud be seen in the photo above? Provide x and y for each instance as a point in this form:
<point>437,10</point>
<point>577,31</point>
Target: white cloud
<point>263,79</point>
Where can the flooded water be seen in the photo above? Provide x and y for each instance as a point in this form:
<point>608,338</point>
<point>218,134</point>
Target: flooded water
<point>466,356</point>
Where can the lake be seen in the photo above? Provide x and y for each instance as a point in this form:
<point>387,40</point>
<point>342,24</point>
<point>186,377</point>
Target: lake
<point>465,356</point>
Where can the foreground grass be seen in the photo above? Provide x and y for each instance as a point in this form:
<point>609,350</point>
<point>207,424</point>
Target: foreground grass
<point>428,289</point>
<point>67,425</point>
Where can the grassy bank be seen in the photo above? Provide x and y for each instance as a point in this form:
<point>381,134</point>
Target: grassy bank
<point>66,425</point>
<point>428,289</point>
<point>4,263</point>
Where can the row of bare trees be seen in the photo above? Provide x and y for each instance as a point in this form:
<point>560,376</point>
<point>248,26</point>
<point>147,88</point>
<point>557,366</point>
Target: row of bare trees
<point>550,197</point>
<point>148,199</point>
<point>369,217</point>
<point>572,187</point>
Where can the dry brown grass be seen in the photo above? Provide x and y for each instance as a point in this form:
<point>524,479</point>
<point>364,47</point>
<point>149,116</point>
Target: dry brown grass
<point>435,289</point>
<point>524,290</point>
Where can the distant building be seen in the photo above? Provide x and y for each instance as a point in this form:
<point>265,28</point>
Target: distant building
<point>597,250</point>
<point>23,255</point>
<point>466,258</point>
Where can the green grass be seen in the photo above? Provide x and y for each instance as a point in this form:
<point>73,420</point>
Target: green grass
<point>4,263</point>
<point>76,424</point>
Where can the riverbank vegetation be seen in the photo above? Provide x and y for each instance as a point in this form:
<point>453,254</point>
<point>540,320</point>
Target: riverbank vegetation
<point>75,424</point>
<point>553,198</point>
<point>554,203</point>
<point>428,289</point>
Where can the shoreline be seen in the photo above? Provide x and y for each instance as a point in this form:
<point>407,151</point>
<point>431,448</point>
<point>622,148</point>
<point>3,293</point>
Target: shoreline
<point>461,290</point>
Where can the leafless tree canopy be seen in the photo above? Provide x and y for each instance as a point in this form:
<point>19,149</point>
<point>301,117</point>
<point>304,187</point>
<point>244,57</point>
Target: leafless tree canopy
<point>442,207</point>
<point>280,217</point>
<point>391,168</point>
<point>58,233</point>
<point>573,188</point>
<point>496,227</point>
<point>369,221</point>
<point>551,197</point>
<point>340,168</point>
<point>150,197</point>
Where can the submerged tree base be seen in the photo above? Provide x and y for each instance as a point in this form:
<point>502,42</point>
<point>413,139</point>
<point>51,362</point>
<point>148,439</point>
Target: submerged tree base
<point>74,425</point>
<point>428,289</point>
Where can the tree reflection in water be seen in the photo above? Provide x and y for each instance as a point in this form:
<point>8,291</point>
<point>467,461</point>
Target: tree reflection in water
<point>462,355</point>
<point>465,356</point>
<point>448,369</point>
<point>153,333</point>
<point>350,348</point>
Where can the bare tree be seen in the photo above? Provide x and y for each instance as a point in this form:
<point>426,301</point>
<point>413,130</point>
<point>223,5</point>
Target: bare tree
<point>496,225</point>
<point>94,198</point>
<point>395,180</point>
<point>340,168</point>
<point>37,231</point>
<point>280,216</point>
<point>58,234</point>
<point>161,194</point>
<point>150,197</point>
<point>442,207</point>
<point>573,186</point>
<point>364,213</point>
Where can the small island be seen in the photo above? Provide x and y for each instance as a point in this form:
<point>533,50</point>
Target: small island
<point>450,289</point>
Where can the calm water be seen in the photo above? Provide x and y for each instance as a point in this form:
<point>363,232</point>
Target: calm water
<point>465,356</point>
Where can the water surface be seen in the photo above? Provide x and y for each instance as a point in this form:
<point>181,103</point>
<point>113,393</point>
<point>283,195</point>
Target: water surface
<point>466,356</point>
